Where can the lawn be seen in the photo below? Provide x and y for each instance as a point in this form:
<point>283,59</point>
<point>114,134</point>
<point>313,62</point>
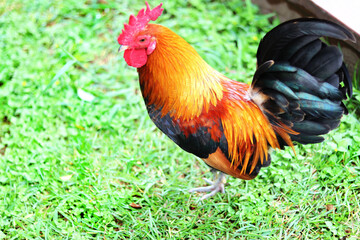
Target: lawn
<point>80,158</point>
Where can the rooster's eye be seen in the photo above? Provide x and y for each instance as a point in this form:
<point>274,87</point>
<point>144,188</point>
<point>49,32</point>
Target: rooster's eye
<point>142,40</point>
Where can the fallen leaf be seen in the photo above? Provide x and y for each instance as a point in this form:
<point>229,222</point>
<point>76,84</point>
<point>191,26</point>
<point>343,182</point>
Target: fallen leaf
<point>88,97</point>
<point>66,177</point>
<point>330,207</point>
<point>135,205</point>
<point>79,127</point>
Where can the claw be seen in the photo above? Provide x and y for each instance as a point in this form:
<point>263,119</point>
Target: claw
<point>215,186</point>
<point>208,181</point>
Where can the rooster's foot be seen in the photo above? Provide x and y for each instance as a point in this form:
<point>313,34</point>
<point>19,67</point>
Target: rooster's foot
<point>218,185</point>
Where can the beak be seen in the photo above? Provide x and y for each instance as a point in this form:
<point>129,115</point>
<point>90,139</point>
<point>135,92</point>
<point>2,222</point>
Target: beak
<point>122,48</point>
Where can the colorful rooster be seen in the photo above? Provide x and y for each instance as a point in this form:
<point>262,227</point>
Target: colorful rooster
<point>296,93</point>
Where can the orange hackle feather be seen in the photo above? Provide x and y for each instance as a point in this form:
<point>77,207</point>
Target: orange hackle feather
<point>180,83</point>
<point>171,77</point>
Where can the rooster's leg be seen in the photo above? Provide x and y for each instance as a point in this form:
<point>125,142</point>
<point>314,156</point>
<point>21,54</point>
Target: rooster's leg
<point>217,185</point>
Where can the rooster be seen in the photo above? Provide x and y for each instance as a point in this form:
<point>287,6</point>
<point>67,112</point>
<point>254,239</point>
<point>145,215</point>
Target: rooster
<point>295,96</point>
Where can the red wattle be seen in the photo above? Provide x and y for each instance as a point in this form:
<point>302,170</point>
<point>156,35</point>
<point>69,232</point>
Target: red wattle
<point>135,57</point>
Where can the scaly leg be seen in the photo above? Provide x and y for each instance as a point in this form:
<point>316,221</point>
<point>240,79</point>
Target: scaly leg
<point>217,185</point>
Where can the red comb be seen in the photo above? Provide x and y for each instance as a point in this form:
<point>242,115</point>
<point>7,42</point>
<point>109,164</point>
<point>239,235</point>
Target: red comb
<point>138,23</point>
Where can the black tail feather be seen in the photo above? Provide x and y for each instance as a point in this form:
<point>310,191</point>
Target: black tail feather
<point>275,41</point>
<point>306,81</point>
<point>302,57</point>
<point>322,66</point>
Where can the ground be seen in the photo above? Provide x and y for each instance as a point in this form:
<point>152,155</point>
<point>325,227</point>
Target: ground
<point>80,158</point>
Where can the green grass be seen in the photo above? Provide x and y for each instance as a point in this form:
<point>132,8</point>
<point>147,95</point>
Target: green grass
<point>72,169</point>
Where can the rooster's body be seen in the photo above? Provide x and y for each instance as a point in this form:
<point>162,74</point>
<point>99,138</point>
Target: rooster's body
<point>295,94</point>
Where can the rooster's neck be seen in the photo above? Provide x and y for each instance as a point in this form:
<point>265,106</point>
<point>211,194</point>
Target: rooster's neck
<point>177,80</point>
